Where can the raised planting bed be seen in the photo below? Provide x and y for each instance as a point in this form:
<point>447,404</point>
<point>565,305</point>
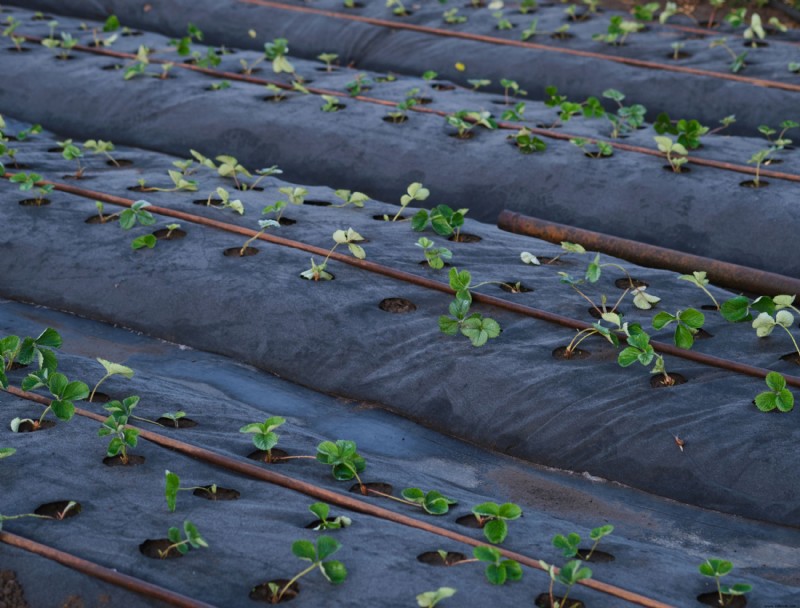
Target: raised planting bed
<point>249,540</point>
<point>592,54</point>
<point>706,208</point>
<point>515,394</point>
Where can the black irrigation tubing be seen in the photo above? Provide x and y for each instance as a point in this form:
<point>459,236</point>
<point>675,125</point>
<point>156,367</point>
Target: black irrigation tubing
<point>424,29</point>
<point>502,125</point>
<point>341,500</point>
<point>101,572</point>
<point>400,275</point>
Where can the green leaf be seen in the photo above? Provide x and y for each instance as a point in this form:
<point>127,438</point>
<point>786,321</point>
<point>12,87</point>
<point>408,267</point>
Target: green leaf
<point>693,318</point>
<point>448,325</point>
<point>334,571</point>
<point>75,391</point>
<point>513,569</point>
<point>115,368</point>
<point>327,546</point>
<point>114,446</point>
<point>320,509</point>
<point>766,401</point>
<point>496,574</point>
<point>495,531</point>
<point>64,410</point>
<point>785,400</point>
<point>147,240</point>
<point>265,441</point>
<point>172,483</point>
<point>304,550</point>
<point>6,452</point>
<point>486,554</point>
<point>683,337</point>
<point>628,356</point>
<point>510,511</point>
<point>419,220</point>
<point>487,509</point>
<point>775,381</point>
<point>413,494</point>
<point>593,271</point>
<point>662,319</point>
<point>49,338</point>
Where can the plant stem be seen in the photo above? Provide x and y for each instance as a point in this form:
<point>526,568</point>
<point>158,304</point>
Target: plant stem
<point>793,340</point>
<point>295,579</point>
<point>248,241</point>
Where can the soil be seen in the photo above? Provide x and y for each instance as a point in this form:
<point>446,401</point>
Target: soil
<point>712,599</point>
<point>470,521</point>
<point>54,509</point>
<point>378,486</point>
<point>658,380</point>
<point>220,494</point>
<point>236,252</point>
<point>262,456</point>
<point>11,593</point>
<point>577,353</point>
<point>598,557</point>
<point>175,235</point>
<point>397,305</point>
<point>180,423</point>
<point>153,547</point>
<point>116,461</point>
<point>262,592</point>
<point>432,558</point>
<point>543,601</point>
<point>29,427</point>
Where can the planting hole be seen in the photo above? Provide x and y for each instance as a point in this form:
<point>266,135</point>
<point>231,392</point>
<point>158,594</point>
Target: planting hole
<point>659,381</point>
<point>132,33</point>
<point>34,202</point>
<point>626,283</point>
<point>214,202</point>
<point>29,427</point>
<point>759,44</point>
<point>684,168</point>
<point>514,287</point>
<point>121,162</point>
<point>751,183</point>
<point>388,217</point>
<point>98,396</point>
<point>594,313</point>
<point>443,87</point>
<point>58,510</point>
<point>262,592</point>
<point>462,136</point>
<point>680,55</point>
<point>22,49</point>
<point>423,101</point>
<point>577,353</point>
<point>116,461</point>
<point>246,188</point>
<point>395,120</point>
<point>285,221</point>
<point>153,548</point>
<point>433,558</point>
<point>95,219</point>
<point>598,557</point>
<point>469,521</point>
<point>220,494</point>
<point>561,36</point>
<point>702,334</point>
<point>277,456</point>
<point>397,305</point>
<point>543,601</point>
<point>464,237</point>
<point>425,263</point>
<point>372,488</point>
<point>137,189</point>
<point>112,67</point>
<point>792,357</point>
<point>712,599</point>
<point>237,252</point>
<point>318,203</point>
<point>180,423</point>
<point>275,98</point>
<point>166,235</point>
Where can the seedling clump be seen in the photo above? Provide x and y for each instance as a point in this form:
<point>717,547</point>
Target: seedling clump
<point>112,369</point>
<point>334,571</point>
<point>569,544</point>
<point>344,460</point>
<point>498,570</point>
<point>687,323</point>
<point>115,426</point>
<point>476,327</point>
<point>717,568</point>
<point>570,574</point>
<point>435,256</point>
<point>347,237</point>
<point>264,436</point>
<point>63,392</point>
<point>778,396</point>
<point>322,511</point>
<point>27,181</point>
<point>190,539</point>
<point>172,485</point>
<point>493,518</point>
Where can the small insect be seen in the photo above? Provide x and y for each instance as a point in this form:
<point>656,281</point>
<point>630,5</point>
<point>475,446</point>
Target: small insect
<point>679,442</point>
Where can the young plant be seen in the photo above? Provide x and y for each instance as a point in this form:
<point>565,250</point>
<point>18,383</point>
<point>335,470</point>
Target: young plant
<point>687,323</point>
<point>322,511</point>
<point>528,143</point>
<point>414,192</point>
<point>618,31</point>
<point>597,329</point>
<point>778,396</point>
<point>136,213</point>
<point>755,31</point>
<point>466,120</point>
<point>698,278</point>
<point>359,85</point>
<point>758,159</point>
<point>397,7</point>
<point>357,199</point>
<point>225,201</point>
<point>331,104</point>
<point>328,59</point>
<point>602,149</point>
<point>28,350</point>
<point>451,17</point>
<point>435,256</point>
<point>503,22</point>
<point>98,146</point>
<point>276,52</point>
<point>63,394</point>
<point>717,568</point>
<point>264,436</point>
<point>569,575</point>
<point>764,323</point>
<point>334,571</point>
<point>112,369</point>
<point>344,460</point>
<point>429,599</point>
<point>476,327</point>
<point>70,151</point>
<point>347,237</point>
<point>626,119</point>
<point>115,426</point>
<point>498,570</point>
<point>442,219</point>
<point>515,113</point>
<point>493,518</point>
<point>400,113</point>
<point>174,417</point>
<point>675,153</point>
<point>172,485</point>
<point>639,349</point>
<point>689,132</point>
<point>263,225</point>
<point>27,181</point>
<point>781,141</point>
<point>570,544</point>
<point>432,502</point>
<point>190,539</point>
<point>8,32</point>
<point>738,61</point>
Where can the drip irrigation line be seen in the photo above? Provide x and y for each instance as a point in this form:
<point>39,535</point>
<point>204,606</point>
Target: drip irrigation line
<point>424,29</point>
<point>102,573</point>
<point>719,273</point>
<point>400,275</point>
<point>716,164</point>
<point>348,502</point>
